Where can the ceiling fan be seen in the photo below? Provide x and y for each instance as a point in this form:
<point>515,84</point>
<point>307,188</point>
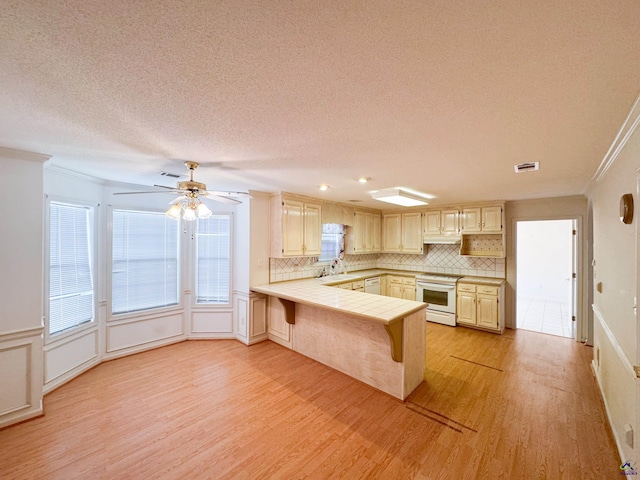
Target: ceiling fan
<point>190,192</point>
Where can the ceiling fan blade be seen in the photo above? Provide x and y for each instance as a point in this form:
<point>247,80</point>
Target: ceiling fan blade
<point>164,186</point>
<point>178,199</point>
<point>228,200</point>
<point>136,193</point>
<point>220,193</point>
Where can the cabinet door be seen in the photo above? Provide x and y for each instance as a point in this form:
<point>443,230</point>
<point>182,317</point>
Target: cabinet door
<point>487,311</point>
<point>449,222</point>
<point>376,222</point>
<point>471,220</point>
<point>312,229</point>
<point>432,222</point>
<point>359,227</point>
<point>492,219</point>
<point>395,290</point>
<point>412,232</point>
<point>292,228</point>
<point>466,310</point>
<point>391,233</point>
<point>409,292</point>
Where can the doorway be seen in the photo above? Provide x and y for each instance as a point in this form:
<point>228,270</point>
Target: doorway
<point>546,276</point>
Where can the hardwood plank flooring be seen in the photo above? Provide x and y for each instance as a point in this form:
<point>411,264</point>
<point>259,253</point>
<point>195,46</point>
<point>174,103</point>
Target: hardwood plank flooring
<point>518,406</point>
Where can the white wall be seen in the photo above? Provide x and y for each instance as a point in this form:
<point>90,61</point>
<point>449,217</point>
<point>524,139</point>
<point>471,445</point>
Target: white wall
<point>21,205</point>
<point>616,253</point>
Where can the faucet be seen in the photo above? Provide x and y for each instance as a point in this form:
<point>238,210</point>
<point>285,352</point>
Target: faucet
<point>337,262</point>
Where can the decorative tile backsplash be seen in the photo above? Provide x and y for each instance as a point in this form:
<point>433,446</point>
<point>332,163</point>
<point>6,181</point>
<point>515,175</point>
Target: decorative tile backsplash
<point>439,259</point>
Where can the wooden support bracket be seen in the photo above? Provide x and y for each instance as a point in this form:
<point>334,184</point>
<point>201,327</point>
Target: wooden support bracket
<point>289,310</point>
<point>394,330</point>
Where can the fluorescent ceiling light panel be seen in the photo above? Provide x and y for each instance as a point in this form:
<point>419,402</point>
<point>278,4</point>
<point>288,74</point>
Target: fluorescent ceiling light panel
<point>398,196</point>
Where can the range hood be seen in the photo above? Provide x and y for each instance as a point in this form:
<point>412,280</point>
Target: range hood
<point>441,239</point>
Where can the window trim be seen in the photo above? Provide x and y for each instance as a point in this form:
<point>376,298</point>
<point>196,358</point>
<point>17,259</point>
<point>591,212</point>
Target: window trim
<point>93,244</point>
<point>147,312</point>
<point>194,264</point>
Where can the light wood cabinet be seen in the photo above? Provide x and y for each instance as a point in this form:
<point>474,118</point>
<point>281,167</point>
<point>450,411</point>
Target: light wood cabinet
<point>482,219</point>
<point>400,287</point>
<point>402,232</point>
<point>296,228</point>
<point>364,235</point>
<point>480,306</point>
<point>441,223</point>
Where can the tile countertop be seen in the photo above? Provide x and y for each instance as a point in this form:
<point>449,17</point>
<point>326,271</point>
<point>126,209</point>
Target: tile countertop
<point>483,280</point>
<point>313,291</point>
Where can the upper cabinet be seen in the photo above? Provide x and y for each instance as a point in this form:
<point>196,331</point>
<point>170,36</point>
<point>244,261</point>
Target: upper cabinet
<point>482,219</point>
<point>296,228</point>
<point>439,223</point>
<point>364,235</point>
<point>402,232</point>
<point>483,232</point>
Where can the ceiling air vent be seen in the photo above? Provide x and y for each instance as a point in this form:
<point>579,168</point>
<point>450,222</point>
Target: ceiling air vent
<point>526,167</point>
<point>170,175</point>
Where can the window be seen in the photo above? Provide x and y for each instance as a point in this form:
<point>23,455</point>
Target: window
<point>71,297</point>
<point>213,259</point>
<point>332,241</point>
<point>144,261</point>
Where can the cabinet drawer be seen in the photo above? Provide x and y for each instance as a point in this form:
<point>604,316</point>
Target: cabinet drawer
<point>487,290</point>
<point>462,287</point>
<point>409,281</point>
<point>344,286</point>
<point>395,280</point>
<point>359,285</point>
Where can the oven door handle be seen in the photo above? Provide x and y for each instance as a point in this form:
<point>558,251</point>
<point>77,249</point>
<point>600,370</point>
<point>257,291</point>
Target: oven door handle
<point>436,286</point>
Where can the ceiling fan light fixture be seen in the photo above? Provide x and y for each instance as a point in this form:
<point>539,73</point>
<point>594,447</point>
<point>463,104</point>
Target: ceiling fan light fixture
<point>174,211</point>
<point>202,211</point>
<point>398,196</point>
<point>189,214</point>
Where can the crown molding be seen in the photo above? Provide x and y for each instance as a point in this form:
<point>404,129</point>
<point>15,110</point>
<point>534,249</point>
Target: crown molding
<point>14,154</point>
<point>72,173</point>
<point>626,130</point>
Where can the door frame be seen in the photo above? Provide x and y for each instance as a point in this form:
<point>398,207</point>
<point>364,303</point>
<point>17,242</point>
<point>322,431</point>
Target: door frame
<point>582,316</point>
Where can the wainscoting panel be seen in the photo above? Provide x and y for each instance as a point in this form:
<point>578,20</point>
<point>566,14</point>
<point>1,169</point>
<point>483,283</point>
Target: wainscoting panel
<point>212,324</point>
<point>20,375</point>
<point>617,381</point>
<point>241,314</point>
<point>146,332</point>
<point>70,356</point>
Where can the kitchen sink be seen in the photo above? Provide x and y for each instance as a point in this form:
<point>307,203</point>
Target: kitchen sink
<point>341,277</point>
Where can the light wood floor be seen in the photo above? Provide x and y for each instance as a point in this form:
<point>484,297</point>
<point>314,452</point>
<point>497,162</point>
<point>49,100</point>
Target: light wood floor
<point>519,406</point>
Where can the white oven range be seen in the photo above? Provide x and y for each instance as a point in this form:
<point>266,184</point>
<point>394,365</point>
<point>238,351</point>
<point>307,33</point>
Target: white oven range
<point>439,291</point>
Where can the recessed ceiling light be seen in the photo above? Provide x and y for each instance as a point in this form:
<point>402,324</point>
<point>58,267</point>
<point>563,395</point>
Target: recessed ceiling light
<point>324,187</point>
<point>364,179</point>
<point>400,196</point>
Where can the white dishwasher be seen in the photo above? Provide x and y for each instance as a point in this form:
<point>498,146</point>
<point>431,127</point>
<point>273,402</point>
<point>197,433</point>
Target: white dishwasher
<point>372,285</point>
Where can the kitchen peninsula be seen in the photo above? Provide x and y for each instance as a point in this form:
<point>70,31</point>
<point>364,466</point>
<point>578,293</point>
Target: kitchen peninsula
<point>376,339</point>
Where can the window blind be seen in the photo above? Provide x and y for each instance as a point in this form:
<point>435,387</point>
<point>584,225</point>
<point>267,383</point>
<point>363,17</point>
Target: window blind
<point>71,296</point>
<point>213,265</point>
<point>144,261</point>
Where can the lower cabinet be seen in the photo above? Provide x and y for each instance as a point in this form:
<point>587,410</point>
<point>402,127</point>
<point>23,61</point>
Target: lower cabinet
<point>481,306</point>
<point>401,287</point>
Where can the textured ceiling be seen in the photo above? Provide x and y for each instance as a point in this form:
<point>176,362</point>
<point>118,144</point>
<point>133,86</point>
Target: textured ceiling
<point>440,96</point>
